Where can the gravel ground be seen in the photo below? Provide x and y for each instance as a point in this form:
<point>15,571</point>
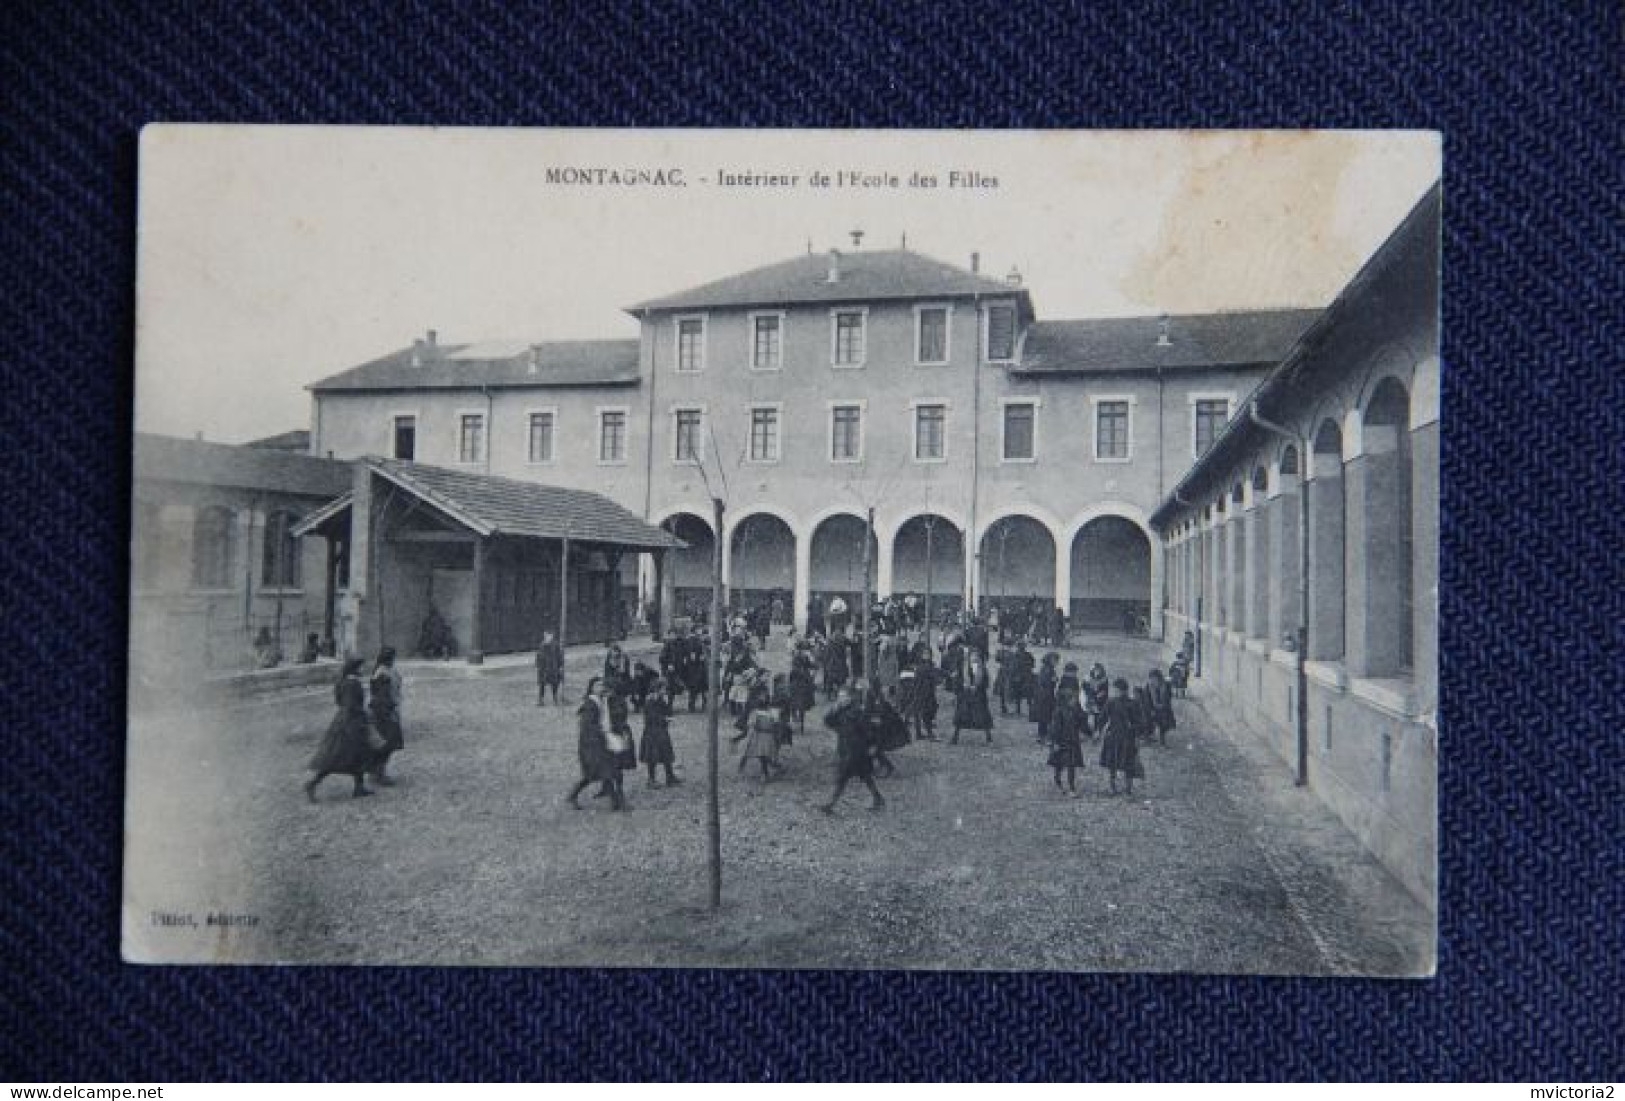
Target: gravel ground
<point>1217,864</point>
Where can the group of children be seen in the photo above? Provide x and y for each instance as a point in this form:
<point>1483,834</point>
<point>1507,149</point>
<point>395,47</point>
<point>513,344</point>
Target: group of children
<point>871,715</point>
<point>605,745</point>
<point>1094,707</point>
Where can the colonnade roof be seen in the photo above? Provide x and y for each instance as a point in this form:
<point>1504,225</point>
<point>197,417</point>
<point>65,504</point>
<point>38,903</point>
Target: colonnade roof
<point>1416,236</point>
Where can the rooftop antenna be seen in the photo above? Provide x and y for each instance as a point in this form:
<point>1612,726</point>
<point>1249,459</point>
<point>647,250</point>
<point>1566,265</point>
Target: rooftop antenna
<point>905,241</point>
<point>857,238</point>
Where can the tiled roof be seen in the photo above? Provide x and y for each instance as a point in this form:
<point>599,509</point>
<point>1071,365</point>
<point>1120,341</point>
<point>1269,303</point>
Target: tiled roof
<point>297,439</point>
<point>492,505</point>
<point>884,274</point>
<point>1132,343</point>
<point>504,364</point>
<point>195,462</point>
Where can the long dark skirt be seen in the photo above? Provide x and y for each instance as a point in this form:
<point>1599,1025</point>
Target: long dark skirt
<point>971,711</point>
<point>1120,752</point>
<point>1066,754</point>
<point>656,748</point>
<point>344,748</point>
<point>854,766</point>
<point>388,725</point>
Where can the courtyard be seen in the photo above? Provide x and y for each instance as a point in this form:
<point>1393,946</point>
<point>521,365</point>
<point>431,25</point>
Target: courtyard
<point>1216,864</point>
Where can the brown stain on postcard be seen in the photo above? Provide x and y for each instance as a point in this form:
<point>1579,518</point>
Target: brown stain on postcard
<point>1235,191</point>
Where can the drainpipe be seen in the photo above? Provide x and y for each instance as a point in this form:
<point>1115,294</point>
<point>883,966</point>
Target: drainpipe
<point>1303,581</point>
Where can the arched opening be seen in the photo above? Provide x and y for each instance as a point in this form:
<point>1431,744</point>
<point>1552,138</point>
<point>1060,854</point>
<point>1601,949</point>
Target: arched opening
<point>213,532</point>
<point>1235,562</point>
<point>1258,557</point>
<point>1018,565</point>
<point>928,559</point>
<point>1111,575</point>
<point>1326,565</point>
<point>836,564</point>
<point>687,571</point>
<point>1381,484</point>
<point>762,565</point>
<point>1283,579</point>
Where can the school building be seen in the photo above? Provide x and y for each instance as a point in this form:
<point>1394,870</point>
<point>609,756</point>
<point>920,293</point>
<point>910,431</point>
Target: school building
<point>1310,528</point>
<point>214,557</point>
<point>241,552</point>
<point>1005,456</point>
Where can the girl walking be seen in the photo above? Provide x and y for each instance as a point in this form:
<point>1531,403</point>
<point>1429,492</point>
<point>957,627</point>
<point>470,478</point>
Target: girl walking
<point>656,749</point>
<point>853,758</point>
<point>1066,726</point>
<point>345,749</point>
<point>971,710</point>
<point>760,726</point>
<point>1119,748</point>
<point>598,764</point>
<point>385,708</point>
<point>1160,697</point>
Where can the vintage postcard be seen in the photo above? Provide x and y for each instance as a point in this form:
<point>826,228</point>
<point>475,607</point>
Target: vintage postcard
<point>940,550</point>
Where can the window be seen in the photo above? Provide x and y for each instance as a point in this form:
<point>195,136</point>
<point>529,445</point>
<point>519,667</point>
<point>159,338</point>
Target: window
<point>1211,415</point>
<point>929,424</point>
<point>470,437</point>
<point>766,346</point>
<point>1019,423</point>
<point>612,435</point>
<point>1001,333</point>
<point>406,437</point>
<point>931,335</point>
<point>1111,429</point>
<point>541,436</point>
<point>848,350</point>
<point>211,548</point>
<point>690,344</point>
<point>279,560</point>
<point>686,436</point>
<point>764,435</point>
<point>846,433</point>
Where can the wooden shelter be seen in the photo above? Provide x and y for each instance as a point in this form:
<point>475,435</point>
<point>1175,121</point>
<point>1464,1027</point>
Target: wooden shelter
<point>436,562</point>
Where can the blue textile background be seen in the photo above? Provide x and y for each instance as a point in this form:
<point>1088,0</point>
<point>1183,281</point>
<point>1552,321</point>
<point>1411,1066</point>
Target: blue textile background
<point>1529,97</point>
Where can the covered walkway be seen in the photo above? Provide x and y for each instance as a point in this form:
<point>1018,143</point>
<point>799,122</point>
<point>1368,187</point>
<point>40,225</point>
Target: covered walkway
<point>438,562</point>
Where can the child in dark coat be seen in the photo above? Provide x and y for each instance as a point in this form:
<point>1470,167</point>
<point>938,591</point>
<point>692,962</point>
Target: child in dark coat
<point>1066,726</point>
<point>853,759</point>
<point>1119,748</point>
<point>346,749</point>
<point>656,748</point>
<point>1160,698</point>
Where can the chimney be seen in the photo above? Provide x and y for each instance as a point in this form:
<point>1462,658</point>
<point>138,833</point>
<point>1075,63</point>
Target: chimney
<point>417,352</point>
<point>1162,332</point>
<point>857,238</point>
<point>1013,277</point>
<point>834,266</point>
<point>431,339</point>
<point>535,358</point>
<point>976,263</point>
